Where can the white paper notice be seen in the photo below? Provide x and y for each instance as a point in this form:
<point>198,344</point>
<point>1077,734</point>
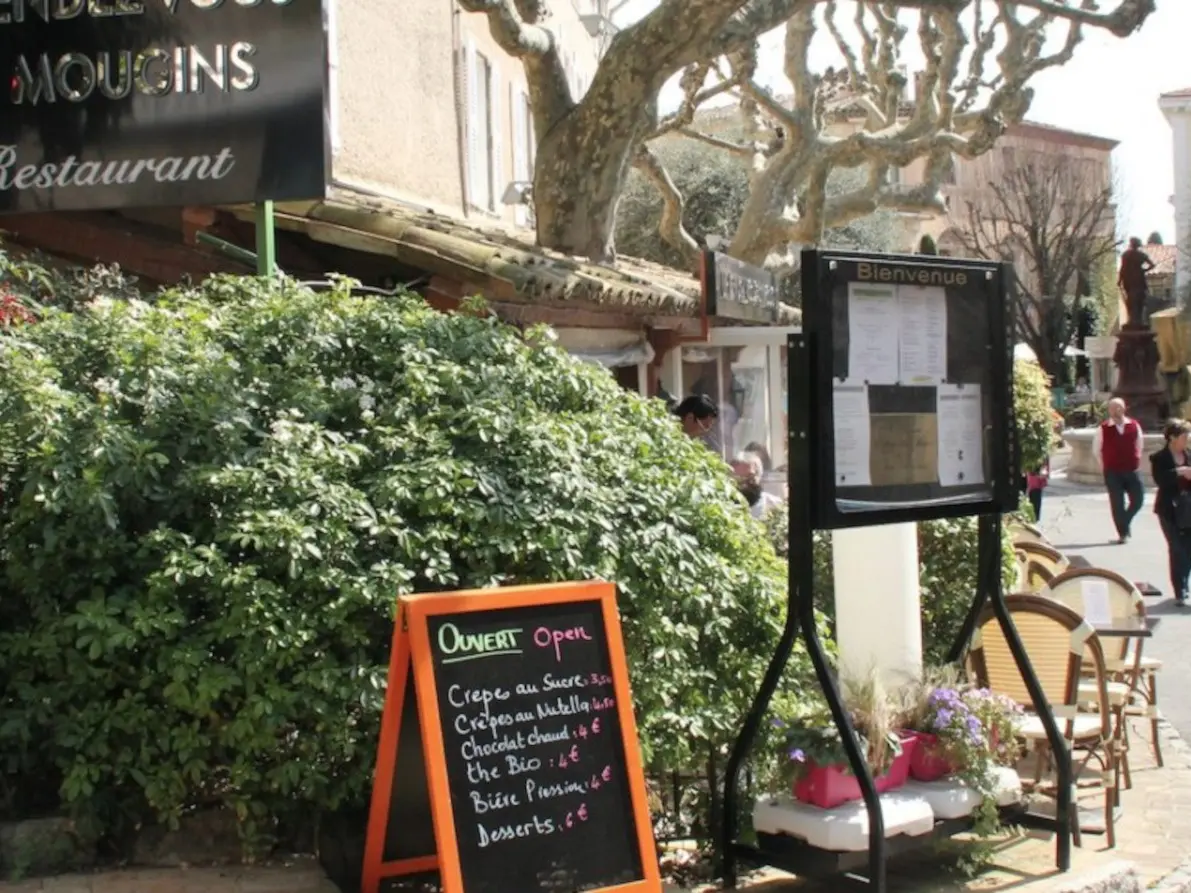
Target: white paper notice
<point>923,334</point>
<point>1097,609</point>
<point>961,435</point>
<point>872,333</point>
<point>850,408</point>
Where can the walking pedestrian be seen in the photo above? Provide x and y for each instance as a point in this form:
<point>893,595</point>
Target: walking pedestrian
<point>1171,467</point>
<point>1036,482</point>
<point>1120,456</point>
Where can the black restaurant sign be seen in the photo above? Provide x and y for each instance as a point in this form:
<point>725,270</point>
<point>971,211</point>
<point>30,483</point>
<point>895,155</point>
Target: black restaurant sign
<point>733,289</point>
<point>127,103</point>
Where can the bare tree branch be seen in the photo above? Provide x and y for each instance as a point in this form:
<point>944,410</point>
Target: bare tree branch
<point>718,142</point>
<point>1053,219</point>
<point>671,225</point>
<point>979,57</point>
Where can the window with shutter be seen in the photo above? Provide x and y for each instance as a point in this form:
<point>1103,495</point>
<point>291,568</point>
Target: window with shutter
<point>517,102</point>
<point>479,130</point>
<point>471,150</point>
<point>332,74</point>
<point>497,181</point>
<point>531,136</point>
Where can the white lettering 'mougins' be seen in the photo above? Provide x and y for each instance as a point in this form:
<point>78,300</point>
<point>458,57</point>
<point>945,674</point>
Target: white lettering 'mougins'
<point>72,172</point>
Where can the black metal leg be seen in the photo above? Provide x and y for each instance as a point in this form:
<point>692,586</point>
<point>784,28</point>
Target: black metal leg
<point>989,552</point>
<point>800,564</point>
<point>744,744</point>
<point>857,759</point>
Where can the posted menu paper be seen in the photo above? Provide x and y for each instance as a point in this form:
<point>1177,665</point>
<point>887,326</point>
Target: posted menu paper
<point>923,334</point>
<point>872,333</point>
<point>852,434</point>
<point>961,435</point>
<point>1097,606</point>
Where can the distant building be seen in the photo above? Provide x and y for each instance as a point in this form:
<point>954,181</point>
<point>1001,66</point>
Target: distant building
<point>1176,105</point>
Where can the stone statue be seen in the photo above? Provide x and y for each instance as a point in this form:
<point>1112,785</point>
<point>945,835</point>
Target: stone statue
<point>1131,279</point>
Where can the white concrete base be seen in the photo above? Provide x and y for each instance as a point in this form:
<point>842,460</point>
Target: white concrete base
<point>911,810</point>
<point>1084,466</point>
<point>845,828</point>
<point>951,798</point>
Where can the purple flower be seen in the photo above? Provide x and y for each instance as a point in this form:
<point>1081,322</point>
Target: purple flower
<point>797,755</point>
<point>777,723</point>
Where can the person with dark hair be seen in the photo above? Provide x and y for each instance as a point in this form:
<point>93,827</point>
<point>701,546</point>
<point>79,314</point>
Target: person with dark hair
<point>697,413</point>
<point>1036,482</point>
<point>1171,468</point>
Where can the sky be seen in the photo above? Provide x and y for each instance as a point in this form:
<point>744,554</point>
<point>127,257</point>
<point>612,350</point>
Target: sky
<point>1110,88</point>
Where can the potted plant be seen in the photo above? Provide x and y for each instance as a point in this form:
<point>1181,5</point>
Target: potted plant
<point>960,731</point>
<point>816,763</point>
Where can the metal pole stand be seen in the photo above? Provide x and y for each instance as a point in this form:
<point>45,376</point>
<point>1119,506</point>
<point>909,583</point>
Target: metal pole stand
<point>800,614</point>
<point>266,245</point>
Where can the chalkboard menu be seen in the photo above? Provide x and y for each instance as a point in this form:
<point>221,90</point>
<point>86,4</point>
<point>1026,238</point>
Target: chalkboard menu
<point>912,387</point>
<point>533,750</point>
<point>530,746</point>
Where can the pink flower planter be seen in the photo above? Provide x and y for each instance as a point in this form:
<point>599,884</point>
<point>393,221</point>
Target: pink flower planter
<point>926,764</point>
<point>830,786</point>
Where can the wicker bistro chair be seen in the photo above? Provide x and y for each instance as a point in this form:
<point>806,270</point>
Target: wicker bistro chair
<point>1044,554</point>
<point>1080,589</point>
<point>1026,533</point>
<point>1032,575</point>
<point>1059,642</point>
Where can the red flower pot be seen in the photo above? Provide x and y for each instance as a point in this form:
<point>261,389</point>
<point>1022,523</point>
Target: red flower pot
<point>926,764</point>
<point>830,786</point>
<point>899,770</point>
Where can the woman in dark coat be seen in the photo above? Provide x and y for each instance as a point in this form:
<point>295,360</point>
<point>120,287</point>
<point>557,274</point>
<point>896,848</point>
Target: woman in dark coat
<point>1171,469</point>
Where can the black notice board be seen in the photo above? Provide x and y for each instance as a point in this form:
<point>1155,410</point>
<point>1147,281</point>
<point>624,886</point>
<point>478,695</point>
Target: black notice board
<point>911,386</point>
<point>534,749</point>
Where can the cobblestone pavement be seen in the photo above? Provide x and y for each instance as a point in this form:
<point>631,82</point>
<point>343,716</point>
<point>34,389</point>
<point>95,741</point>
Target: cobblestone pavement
<point>302,876</point>
<point>1152,833</point>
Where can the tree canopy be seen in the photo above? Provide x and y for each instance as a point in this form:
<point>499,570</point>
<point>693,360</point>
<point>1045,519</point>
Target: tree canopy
<point>973,59</point>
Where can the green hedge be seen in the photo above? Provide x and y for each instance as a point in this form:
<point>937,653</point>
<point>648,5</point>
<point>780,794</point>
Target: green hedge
<point>210,503</point>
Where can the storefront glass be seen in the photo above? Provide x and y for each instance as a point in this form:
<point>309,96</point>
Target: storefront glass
<point>737,379</point>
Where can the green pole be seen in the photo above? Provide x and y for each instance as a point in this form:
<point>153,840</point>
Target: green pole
<point>266,248</point>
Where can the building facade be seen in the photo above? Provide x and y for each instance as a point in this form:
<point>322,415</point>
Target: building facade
<point>425,107</point>
<point>1176,106</point>
<point>1027,143</point>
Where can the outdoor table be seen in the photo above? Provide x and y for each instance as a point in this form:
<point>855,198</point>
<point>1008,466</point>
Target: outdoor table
<point>1133,628</point>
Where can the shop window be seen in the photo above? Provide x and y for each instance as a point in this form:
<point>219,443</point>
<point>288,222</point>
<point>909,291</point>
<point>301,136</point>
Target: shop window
<point>737,379</point>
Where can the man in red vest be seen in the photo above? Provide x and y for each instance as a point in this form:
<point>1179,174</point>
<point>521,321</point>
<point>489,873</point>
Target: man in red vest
<point>1120,457</point>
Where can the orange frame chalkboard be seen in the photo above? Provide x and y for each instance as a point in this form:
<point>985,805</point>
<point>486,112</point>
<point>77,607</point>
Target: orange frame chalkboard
<point>411,653</point>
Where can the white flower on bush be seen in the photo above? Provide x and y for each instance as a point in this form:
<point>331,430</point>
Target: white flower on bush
<point>367,401</point>
<point>344,384</point>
